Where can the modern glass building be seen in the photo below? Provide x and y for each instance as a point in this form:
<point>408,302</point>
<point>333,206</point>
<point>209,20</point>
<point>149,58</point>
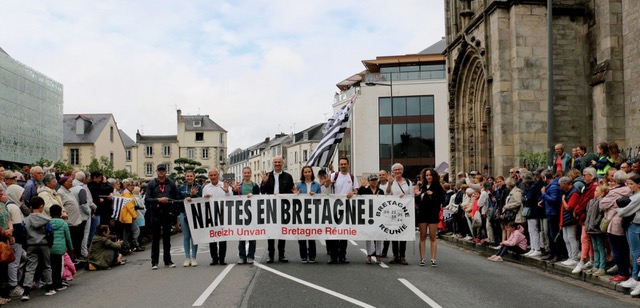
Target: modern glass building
<point>31,106</point>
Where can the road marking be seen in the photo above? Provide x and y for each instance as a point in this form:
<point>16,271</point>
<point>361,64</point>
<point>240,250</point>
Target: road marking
<point>353,242</point>
<point>212,286</point>
<point>421,295</point>
<point>323,243</point>
<point>381,263</point>
<point>314,286</point>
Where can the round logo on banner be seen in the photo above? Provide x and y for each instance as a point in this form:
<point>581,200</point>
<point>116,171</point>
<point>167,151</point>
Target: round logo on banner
<point>392,217</point>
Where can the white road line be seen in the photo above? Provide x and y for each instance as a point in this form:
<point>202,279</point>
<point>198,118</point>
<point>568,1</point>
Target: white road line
<point>323,243</point>
<point>381,263</point>
<point>353,242</point>
<point>212,286</point>
<point>421,295</point>
<point>314,286</point>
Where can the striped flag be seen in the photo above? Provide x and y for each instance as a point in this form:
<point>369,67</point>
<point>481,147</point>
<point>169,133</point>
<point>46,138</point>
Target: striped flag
<point>333,133</point>
<point>118,204</point>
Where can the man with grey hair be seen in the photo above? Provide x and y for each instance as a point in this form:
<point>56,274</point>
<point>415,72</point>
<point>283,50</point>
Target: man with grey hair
<point>568,223</point>
<point>562,160</point>
<point>551,200</point>
<point>217,188</point>
<point>85,200</point>
<point>31,188</point>
<point>277,182</point>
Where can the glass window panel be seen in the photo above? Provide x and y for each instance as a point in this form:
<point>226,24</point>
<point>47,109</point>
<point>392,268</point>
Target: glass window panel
<point>399,106</point>
<point>413,106</point>
<point>411,68</point>
<point>412,76</point>
<point>426,105</point>
<point>389,69</point>
<point>400,140</point>
<point>427,131</point>
<point>385,141</point>
<point>385,107</point>
<point>413,142</point>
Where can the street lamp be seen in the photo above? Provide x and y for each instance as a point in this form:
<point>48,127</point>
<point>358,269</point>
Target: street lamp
<point>371,82</point>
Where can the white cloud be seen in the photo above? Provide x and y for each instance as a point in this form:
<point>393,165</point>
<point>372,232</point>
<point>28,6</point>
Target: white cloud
<point>256,67</point>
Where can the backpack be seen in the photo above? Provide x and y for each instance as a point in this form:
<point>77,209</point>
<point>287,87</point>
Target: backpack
<point>49,234</point>
<point>335,177</point>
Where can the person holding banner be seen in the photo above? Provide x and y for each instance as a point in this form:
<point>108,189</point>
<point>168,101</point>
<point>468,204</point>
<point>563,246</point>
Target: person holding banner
<point>374,248</point>
<point>429,198</point>
<point>217,189</point>
<point>273,183</point>
<point>161,192</point>
<point>246,188</point>
<point>190,189</point>
<point>399,187</point>
<point>383,178</point>
<point>307,185</point>
<point>344,183</point>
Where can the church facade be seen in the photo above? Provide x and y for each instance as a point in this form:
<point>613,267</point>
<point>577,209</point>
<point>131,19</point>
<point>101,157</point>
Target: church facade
<point>497,75</point>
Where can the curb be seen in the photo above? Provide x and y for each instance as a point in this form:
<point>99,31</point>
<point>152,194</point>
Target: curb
<point>549,267</point>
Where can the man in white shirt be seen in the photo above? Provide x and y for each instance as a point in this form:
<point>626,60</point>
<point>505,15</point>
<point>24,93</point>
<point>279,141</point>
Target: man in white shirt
<point>216,189</point>
<point>344,183</point>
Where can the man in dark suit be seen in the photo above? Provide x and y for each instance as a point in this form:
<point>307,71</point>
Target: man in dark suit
<point>273,183</point>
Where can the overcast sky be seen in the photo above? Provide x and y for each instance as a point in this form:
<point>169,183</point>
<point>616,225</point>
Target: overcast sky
<point>255,67</point>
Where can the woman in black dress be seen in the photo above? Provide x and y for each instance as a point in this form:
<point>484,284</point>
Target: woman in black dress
<point>429,198</point>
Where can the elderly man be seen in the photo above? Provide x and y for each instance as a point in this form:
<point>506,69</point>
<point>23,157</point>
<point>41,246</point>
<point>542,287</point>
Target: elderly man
<point>161,192</point>
<point>31,188</point>
<point>10,178</point>
<point>273,183</point>
<point>216,189</point>
<point>85,200</point>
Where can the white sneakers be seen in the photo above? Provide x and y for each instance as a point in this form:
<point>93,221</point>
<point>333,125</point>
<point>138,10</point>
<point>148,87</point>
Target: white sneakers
<point>194,263</point>
<point>578,268</point>
<point>536,253</point>
<point>569,262</point>
<point>636,291</point>
<point>630,283</point>
<point>187,263</point>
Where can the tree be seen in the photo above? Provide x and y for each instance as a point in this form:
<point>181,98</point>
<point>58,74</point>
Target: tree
<point>61,166</point>
<point>185,164</point>
<point>532,160</point>
<point>105,166</point>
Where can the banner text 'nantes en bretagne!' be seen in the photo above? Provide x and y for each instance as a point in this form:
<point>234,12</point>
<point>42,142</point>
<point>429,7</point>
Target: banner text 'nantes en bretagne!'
<point>301,217</point>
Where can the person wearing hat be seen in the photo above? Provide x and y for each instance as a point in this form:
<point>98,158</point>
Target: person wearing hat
<point>161,192</point>
<point>374,248</point>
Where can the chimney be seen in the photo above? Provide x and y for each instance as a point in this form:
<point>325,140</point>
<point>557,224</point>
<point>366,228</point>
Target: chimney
<point>179,114</point>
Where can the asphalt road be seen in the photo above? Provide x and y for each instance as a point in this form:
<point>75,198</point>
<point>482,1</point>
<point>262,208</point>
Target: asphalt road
<point>462,279</point>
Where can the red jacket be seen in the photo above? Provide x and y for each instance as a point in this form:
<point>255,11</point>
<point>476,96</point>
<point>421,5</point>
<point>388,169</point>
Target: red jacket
<point>580,212</point>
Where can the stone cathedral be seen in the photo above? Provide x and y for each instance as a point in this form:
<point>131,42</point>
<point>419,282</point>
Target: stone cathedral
<point>497,73</point>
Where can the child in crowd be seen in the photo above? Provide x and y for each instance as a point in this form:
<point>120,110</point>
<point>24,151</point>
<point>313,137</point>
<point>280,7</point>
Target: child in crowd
<point>69,269</point>
<point>516,243</point>
<point>103,252</point>
<point>61,241</point>
<point>38,251</point>
<point>592,224</point>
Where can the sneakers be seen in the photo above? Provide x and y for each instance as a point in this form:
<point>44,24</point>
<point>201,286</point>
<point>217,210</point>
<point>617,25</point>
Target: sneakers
<point>311,260</point>
<point>61,288</point>
<point>422,263</point>
<point>154,266</point>
<point>433,263</point>
<point>467,238</point>
<point>25,297</point>
<point>589,271</point>
<point>250,261</point>
<point>630,283</point>
<point>16,291</point>
<point>578,268</point>
<point>535,254</point>
<point>170,265</point>
<point>498,259</point>
<point>569,262</point>
<point>618,278</point>
<point>613,270</point>
<point>589,264</point>
<point>50,292</point>
<point>187,263</point>
<point>242,261</point>
<point>403,261</point>
<point>194,263</point>
<point>599,272</point>
<point>304,260</point>
<point>636,290</point>
<point>284,260</point>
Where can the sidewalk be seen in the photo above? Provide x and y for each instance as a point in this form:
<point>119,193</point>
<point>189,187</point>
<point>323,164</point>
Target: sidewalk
<point>551,267</point>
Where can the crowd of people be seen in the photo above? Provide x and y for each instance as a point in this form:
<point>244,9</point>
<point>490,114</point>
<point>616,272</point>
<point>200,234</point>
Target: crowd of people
<point>581,212</point>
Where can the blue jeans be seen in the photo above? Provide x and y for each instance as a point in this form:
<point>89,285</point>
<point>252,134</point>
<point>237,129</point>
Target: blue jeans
<point>599,252</point>
<point>553,227</point>
<point>242,250</point>
<point>620,251</point>
<point>190,249</point>
<point>633,236</point>
<point>92,231</point>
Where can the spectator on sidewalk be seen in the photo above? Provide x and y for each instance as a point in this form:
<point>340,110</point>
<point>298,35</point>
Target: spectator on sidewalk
<point>104,252</point>
<point>533,186</point>
<point>592,225</point>
<point>617,238</point>
<point>551,200</point>
<point>61,244</point>
<point>517,242</point>
<point>632,212</point>
<point>38,251</point>
<point>568,223</point>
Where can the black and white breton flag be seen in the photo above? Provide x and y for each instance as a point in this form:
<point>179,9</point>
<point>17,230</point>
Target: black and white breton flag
<point>333,132</point>
<point>118,204</point>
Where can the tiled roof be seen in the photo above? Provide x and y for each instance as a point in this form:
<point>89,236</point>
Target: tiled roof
<point>206,124</point>
<point>126,140</point>
<point>95,124</point>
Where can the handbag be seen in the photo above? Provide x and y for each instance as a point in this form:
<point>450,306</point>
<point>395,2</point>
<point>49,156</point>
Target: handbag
<point>526,212</point>
<point>604,224</point>
<point>7,255</point>
<point>508,216</point>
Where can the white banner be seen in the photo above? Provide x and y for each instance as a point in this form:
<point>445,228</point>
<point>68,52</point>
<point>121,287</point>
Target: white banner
<point>301,217</point>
